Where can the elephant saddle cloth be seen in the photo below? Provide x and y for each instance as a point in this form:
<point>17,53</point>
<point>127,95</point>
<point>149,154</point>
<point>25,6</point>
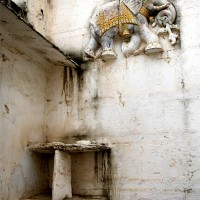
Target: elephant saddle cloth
<point>117,15</point>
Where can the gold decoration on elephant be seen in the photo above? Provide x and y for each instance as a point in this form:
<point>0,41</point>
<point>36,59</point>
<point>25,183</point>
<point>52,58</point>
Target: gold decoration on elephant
<point>144,11</point>
<point>121,19</point>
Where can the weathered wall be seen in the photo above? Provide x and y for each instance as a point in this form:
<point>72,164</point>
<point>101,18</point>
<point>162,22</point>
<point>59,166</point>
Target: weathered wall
<point>76,28</point>
<point>61,106</point>
<point>145,106</point>
<point>60,20</point>
<point>90,174</point>
<point>22,120</point>
<point>37,14</point>
<point>88,185</point>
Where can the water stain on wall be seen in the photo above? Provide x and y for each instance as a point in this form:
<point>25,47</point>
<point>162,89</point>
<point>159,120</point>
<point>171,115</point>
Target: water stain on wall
<point>68,86</point>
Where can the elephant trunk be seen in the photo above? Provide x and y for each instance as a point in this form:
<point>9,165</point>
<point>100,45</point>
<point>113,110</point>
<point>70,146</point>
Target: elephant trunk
<point>159,8</point>
<point>166,16</point>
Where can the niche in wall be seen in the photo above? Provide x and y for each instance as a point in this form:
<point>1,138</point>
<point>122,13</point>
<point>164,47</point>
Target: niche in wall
<point>91,174</point>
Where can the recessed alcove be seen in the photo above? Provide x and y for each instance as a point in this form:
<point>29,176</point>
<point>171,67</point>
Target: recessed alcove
<point>75,171</point>
<point>91,174</point>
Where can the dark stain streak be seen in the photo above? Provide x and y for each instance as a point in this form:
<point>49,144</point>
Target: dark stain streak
<point>96,165</point>
<point>68,84</point>
<point>4,21</point>
<point>7,109</point>
<point>4,57</point>
<point>186,102</point>
<point>80,137</point>
<point>42,12</point>
<point>64,83</point>
<point>109,179</point>
<point>15,51</point>
<point>183,84</point>
<point>106,173</point>
<point>53,62</point>
<point>102,169</point>
<point>49,100</point>
<point>120,99</point>
<point>188,190</point>
<point>80,74</point>
<point>96,97</point>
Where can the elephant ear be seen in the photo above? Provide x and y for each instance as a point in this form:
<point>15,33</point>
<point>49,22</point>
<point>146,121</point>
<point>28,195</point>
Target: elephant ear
<point>133,5</point>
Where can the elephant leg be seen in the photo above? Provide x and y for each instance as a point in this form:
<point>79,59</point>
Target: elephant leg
<point>152,40</point>
<point>107,46</point>
<point>91,47</point>
<point>129,48</point>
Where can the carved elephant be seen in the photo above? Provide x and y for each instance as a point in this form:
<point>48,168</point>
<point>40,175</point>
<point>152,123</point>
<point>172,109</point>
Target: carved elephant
<point>128,18</point>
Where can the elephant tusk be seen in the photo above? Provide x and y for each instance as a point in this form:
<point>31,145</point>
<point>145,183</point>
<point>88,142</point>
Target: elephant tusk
<point>173,38</point>
<point>161,31</point>
<point>154,24</point>
<point>175,27</point>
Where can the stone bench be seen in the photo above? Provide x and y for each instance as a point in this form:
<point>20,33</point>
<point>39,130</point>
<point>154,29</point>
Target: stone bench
<point>61,186</point>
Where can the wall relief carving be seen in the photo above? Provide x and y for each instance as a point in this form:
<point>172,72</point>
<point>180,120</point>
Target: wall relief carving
<point>138,19</point>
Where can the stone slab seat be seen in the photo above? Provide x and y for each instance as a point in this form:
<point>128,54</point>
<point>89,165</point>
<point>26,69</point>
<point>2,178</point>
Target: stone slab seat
<point>61,185</point>
<point>68,148</point>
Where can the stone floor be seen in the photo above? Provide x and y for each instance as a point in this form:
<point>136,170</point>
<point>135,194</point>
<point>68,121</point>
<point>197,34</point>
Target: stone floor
<point>40,197</point>
<point>48,197</point>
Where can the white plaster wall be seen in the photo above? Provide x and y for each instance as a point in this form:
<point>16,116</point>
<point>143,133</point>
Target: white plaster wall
<point>146,107</point>
<point>136,105</point>
<point>38,15</point>
<point>70,22</point>
<point>22,120</point>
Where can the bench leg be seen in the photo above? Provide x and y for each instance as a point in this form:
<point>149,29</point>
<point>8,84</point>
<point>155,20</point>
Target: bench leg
<point>61,185</point>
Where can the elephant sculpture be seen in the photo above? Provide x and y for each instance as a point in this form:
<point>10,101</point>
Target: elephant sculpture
<point>130,18</point>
